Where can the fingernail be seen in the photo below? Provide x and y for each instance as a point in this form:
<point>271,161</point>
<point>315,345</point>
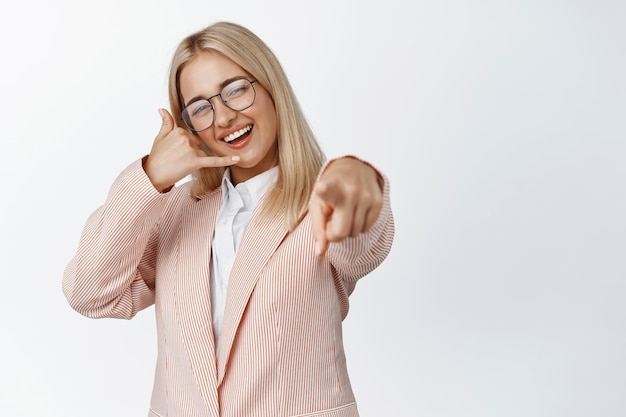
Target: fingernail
<point>318,248</point>
<point>235,158</point>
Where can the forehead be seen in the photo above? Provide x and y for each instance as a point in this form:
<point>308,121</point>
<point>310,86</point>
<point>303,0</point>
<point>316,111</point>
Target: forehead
<point>204,74</point>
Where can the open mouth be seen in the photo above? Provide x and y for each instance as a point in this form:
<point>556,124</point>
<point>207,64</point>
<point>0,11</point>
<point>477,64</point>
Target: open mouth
<point>238,135</point>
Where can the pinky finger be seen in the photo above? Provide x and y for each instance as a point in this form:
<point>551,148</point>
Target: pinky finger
<point>372,216</point>
<point>359,222</point>
<point>218,161</point>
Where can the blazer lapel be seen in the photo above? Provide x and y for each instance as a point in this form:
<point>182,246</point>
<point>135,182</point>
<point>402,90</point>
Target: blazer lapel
<point>262,236</point>
<point>193,293</point>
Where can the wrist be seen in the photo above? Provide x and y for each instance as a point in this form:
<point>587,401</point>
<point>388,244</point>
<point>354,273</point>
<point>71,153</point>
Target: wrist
<point>159,187</point>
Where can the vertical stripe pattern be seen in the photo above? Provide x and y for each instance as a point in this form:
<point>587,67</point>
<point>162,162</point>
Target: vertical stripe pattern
<point>281,349</point>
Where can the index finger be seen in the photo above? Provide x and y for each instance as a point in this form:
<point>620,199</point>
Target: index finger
<point>319,213</point>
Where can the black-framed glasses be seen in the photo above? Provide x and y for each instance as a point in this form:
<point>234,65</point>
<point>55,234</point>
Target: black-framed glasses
<point>237,95</point>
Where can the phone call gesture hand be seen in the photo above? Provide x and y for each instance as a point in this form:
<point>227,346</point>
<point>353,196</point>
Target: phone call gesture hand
<point>176,153</point>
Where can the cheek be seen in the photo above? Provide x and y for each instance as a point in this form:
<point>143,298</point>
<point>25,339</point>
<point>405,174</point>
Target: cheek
<point>266,109</point>
<point>209,140</point>
<point>269,117</point>
<point>270,122</point>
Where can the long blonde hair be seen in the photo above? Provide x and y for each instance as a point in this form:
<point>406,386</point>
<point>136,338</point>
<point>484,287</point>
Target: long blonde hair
<point>300,157</point>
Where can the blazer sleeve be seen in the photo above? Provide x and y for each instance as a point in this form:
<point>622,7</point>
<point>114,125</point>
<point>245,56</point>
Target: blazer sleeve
<point>355,257</point>
<point>112,273</point>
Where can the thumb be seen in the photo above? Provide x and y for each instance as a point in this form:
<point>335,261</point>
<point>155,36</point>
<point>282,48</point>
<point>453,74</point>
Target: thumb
<point>329,193</point>
<point>167,123</point>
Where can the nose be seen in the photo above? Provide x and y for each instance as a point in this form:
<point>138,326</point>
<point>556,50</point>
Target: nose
<point>222,113</point>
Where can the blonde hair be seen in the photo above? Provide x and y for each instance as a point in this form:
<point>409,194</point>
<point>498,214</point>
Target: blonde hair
<point>300,157</point>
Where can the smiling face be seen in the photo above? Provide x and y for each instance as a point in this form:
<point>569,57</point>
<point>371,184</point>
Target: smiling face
<point>250,133</point>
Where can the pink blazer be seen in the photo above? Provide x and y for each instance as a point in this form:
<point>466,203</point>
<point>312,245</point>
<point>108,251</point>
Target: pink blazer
<point>281,350</point>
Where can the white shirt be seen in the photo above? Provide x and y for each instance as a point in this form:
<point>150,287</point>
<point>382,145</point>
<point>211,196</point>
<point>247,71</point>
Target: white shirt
<point>238,203</point>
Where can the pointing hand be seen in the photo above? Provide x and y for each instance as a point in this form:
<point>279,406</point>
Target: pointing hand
<point>345,202</point>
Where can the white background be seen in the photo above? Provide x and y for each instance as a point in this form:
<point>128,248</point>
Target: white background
<point>500,124</point>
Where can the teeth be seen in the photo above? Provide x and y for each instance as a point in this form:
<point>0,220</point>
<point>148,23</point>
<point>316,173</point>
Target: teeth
<point>237,134</point>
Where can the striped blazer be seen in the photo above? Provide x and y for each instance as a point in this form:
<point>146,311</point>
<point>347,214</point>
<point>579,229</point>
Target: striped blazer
<point>280,352</point>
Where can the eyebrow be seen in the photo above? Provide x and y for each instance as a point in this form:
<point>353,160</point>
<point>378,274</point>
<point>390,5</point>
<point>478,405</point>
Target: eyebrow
<point>222,85</point>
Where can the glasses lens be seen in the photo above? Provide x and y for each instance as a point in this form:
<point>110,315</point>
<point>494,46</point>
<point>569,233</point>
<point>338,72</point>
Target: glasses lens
<point>238,95</point>
<point>198,115</point>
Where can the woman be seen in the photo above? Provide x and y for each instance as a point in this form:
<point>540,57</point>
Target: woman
<point>250,264</point>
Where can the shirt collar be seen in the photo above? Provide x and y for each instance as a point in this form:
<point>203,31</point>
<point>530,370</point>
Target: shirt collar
<point>256,186</point>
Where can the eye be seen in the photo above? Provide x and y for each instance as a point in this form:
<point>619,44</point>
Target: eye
<point>202,108</point>
<point>235,89</point>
